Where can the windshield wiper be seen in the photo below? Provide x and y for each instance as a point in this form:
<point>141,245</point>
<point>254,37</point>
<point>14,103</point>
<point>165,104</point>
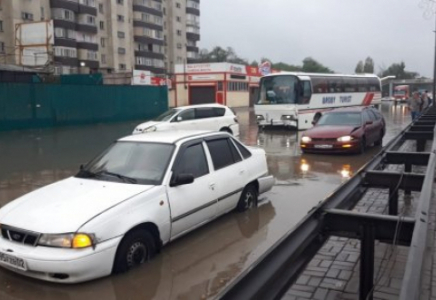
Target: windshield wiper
<point>122,177</point>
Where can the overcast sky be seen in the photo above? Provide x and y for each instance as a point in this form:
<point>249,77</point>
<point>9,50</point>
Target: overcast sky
<point>337,33</point>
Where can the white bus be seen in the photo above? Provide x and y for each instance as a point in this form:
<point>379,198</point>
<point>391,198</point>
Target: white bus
<point>297,99</point>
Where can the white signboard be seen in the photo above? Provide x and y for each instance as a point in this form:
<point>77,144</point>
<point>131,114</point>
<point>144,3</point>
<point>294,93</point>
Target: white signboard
<point>141,77</point>
<point>210,68</point>
<point>202,77</point>
<point>34,56</point>
<point>35,33</point>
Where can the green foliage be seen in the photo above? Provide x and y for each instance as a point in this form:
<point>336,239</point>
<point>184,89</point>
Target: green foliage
<point>399,70</point>
<point>368,68</point>
<point>219,54</point>
<point>359,68</point>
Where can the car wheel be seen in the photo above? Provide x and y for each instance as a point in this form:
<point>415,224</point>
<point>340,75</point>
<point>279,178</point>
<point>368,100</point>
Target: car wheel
<point>135,249</point>
<point>248,198</point>
<point>226,129</point>
<point>362,145</point>
<point>379,142</point>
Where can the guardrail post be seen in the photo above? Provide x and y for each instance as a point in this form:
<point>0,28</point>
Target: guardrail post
<point>367,262</point>
<point>393,201</point>
<point>420,145</point>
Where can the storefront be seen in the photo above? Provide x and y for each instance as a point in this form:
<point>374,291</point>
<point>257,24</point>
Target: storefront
<point>225,83</point>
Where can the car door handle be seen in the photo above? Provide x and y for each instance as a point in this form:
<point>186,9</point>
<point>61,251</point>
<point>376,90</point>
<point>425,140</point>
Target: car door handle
<point>241,172</point>
<point>212,186</point>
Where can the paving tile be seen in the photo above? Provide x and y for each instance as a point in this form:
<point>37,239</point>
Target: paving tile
<point>303,279</point>
<point>296,293</point>
<point>320,294</point>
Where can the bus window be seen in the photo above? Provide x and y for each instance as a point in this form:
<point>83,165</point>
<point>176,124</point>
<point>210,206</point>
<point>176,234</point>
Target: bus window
<point>374,85</point>
<point>350,84</point>
<point>306,93</point>
<point>320,85</point>
<point>335,85</point>
<point>278,90</point>
<point>362,85</point>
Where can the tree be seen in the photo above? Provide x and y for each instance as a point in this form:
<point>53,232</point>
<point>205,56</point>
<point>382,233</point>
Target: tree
<point>219,54</point>
<point>359,68</point>
<point>312,66</point>
<point>254,63</point>
<point>369,66</point>
<point>399,71</point>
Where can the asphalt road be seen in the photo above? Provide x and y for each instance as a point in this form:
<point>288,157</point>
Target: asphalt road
<point>199,265</point>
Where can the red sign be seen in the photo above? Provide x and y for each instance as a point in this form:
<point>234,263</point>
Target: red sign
<point>253,71</point>
<point>158,81</point>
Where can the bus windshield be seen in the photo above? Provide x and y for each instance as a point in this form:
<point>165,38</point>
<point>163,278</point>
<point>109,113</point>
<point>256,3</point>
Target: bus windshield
<point>402,93</point>
<point>278,90</point>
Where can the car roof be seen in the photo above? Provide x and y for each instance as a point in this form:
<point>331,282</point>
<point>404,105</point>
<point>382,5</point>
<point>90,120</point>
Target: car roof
<point>349,109</point>
<point>169,137</point>
<point>202,105</point>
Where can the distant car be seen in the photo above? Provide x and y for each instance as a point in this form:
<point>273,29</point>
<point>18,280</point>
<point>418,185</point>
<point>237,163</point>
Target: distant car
<point>213,117</point>
<point>141,193</point>
<point>345,130</point>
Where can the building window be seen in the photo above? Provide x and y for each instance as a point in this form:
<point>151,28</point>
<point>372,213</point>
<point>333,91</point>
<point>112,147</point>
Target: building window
<point>87,2</point>
<point>179,46</point>
<point>121,2</point>
<point>66,52</point>
<point>122,66</point>
<point>179,60</point>
<point>64,33</point>
<point>27,16</point>
<point>92,55</point>
<point>121,34</point>
<point>2,47</point>
<point>178,5</point>
<point>90,20</point>
<point>121,50</point>
<point>120,18</point>
<point>103,42</point>
<point>42,14</point>
<point>100,8</point>
<point>179,32</point>
<point>101,25</point>
<point>179,19</point>
<point>103,58</point>
<point>1,26</point>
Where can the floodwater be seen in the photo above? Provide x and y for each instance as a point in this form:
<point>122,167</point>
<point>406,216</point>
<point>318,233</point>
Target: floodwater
<point>202,263</point>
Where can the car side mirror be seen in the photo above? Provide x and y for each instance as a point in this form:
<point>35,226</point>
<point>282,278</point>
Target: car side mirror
<point>182,179</point>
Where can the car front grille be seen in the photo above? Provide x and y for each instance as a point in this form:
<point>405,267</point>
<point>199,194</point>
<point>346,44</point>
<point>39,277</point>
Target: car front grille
<point>19,235</point>
<point>324,139</point>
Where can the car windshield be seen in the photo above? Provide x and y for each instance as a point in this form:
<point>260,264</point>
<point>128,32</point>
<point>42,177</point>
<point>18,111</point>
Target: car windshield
<point>278,90</point>
<point>341,118</point>
<point>130,162</point>
<point>166,116</point>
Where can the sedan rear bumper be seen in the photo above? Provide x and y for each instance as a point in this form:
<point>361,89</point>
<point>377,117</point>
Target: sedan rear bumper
<point>266,183</point>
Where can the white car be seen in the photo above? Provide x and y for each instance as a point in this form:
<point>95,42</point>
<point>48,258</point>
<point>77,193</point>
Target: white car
<point>122,207</point>
<point>213,117</point>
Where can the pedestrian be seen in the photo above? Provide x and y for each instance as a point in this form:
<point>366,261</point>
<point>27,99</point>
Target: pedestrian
<point>414,106</point>
<point>425,101</point>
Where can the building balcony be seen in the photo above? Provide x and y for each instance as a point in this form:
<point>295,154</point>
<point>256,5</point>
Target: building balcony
<point>147,40</point>
<point>154,70</point>
<point>146,9</point>
<point>87,46</point>
<point>92,64</point>
<point>66,61</point>
<point>65,4</point>
<point>67,24</point>
<point>193,11</point>
<point>149,54</point>
<point>140,23</point>
<point>89,10</point>
<point>65,42</point>
<point>86,28</point>
<point>192,49</point>
<point>193,36</point>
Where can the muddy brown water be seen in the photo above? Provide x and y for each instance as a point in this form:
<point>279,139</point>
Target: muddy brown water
<point>202,263</point>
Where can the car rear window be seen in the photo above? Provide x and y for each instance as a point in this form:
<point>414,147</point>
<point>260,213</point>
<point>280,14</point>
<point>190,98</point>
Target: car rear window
<point>244,151</point>
<point>204,113</point>
<point>222,155</point>
<point>219,111</point>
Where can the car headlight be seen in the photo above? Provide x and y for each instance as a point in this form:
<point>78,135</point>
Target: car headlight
<point>346,138</point>
<point>306,139</point>
<point>260,118</point>
<point>69,240</point>
<point>150,129</point>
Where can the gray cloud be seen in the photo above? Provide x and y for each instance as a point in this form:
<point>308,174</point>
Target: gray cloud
<point>337,33</point>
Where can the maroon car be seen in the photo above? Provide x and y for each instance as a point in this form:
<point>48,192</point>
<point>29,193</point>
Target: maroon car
<point>349,129</point>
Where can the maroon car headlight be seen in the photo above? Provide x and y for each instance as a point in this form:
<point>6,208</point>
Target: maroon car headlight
<point>345,139</point>
<point>306,139</point>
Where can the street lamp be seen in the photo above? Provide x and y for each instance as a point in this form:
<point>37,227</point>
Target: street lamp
<point>82,64</point>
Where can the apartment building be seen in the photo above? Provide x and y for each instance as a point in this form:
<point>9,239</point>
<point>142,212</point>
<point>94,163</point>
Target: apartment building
<point>108,36</point>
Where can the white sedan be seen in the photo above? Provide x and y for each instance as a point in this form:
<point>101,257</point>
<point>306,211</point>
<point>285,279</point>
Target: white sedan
<point>210,117</point>
<point>122,207</point>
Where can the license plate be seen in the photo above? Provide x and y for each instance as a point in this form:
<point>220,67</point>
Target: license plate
<point>324,146</point>
<point>13,261</point>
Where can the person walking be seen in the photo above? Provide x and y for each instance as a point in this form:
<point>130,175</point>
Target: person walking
<point>415,105</point>
<point>425,102</point>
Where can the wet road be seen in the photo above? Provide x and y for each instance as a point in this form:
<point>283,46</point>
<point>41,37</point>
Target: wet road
<point>200,264</point>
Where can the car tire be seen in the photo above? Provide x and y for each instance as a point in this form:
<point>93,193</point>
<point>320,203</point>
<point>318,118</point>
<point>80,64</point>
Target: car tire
<point>362,145</point>
<point>248,198</point>
<point>226,129</point>
<point>379,142</point>
<point>136,248</point>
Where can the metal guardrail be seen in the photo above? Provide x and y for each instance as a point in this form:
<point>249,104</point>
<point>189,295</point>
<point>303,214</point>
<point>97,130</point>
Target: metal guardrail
<point>277,269</point>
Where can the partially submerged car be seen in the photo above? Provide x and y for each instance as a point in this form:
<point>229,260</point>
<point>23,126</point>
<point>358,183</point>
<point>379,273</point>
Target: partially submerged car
<point>213,117</point>
<point>349,129</point>
<point>122,207</point>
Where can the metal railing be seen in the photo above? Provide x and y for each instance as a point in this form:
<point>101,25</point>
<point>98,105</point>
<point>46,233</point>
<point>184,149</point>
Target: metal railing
<point>277,269</point>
